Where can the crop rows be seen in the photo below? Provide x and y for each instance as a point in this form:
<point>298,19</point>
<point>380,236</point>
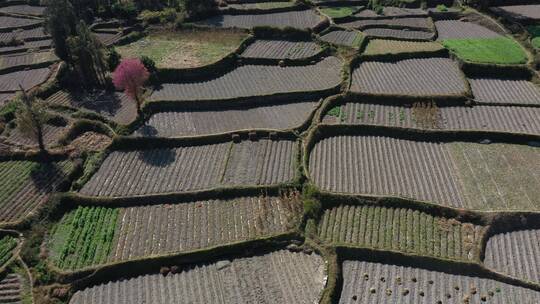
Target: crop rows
<point>107,38</point>
<point>455,29</point>
<point>7,245</point>
<point>37,33</point>
<point>11,289</point>
<point>340,37</point>
<point>281,49</point>
<point>282,276</point>
<point>419,77</point>
<point>27,46</point>
<point>399,34</point>
<point>411,23</point>
<point>117,107</point>
<point>51,135</point>
<point>24,60</point>
<point>400,229</point>
<point>395,47</point>
<point>153,171</point>
<point>368,282</point>
<point>505,91</point>
<point>5,97</point>
<point>28,185</point>
<point>23,10</point>
<point>391,11</point>
<point>12,23</point>
<point>297,19</point>
<point>199,122</point>
<point>28,79</point>
<point>425,116</point>
<point>257,80</point>
<point>519,13</point>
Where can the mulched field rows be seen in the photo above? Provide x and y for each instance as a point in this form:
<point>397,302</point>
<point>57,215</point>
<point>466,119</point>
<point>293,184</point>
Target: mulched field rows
<point>519,13</point>
<point>402,230</point>
<point>419,77</point>
<point>11,289</point>
<point>486,118</point>
<point>297,19</point>
<point>399,34</point>
<point>23,10</point>
<point>277,277</point>
<point>507,91</point>
<point>391,11</point>
<point>340,37</point>
<point>367,282</point>
<point>129,173</point>
<point>515,253</point>
<point>28,79</point>
<point>457,174</point>
<point>24,35</point>
<point>256,80</point>
<point>51,136</point>
<point>27,59</point>
<point>455,29</point>
<point>281,49</point>
<point>395,47</point>
<point>417,23</point>
<point>12,23</point>
<point>27,46</point>
<point>199,122</point>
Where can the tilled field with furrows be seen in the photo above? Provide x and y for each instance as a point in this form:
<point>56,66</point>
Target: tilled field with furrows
<point>256,80</point>
<point>8,23</point>
<point>51,136</point>
<point>305,19</point>
<point>282,276</point>
<point>27,79</point>
<point>10,289</point>
<point>411,23</point>
<point>200,122</point>
<point>281,49</point>
<point>399,34</point>
<point>515,253</point>
<point>455,29</point>
<point>506,91</point>
<point>400,229</point>
<point>23,9</point>
<point>26,47</point>
<point>395,47</point>
<point>391,11</point>
<point>154,171</point>
<point>340,37</point>
<point>416,77</point>
<point>519,13</point>
<point>367,282</point>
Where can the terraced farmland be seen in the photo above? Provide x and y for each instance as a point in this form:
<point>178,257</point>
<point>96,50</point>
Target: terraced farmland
<point>202,122</point>
<point>11,288</point>
<point>280,277</point>
<point>519,13</point>
<point>7,245</point>
<point>391,11</point>
<point>281,49</point>
<point>256,80</point>
<point>425,116</point>
<point>504,91</point>
<point>415,77</point>
<point>12,23</point>
<point>400,229</point>
<point>27,185</point>
<point>455,29</point>
<point>515,253</point>
<point>248,163</point>
<point>23,9</point>
<point>340,37</point>
<point>51,136</point>
<point>398,23</point>
<point>23,61</point>
<point>297,19</point>
<point>457,174</point>
<point>368,282</point>
<point>137,232</point>
<point>395,47</point>
<point>399,34</point>
<point>27,79</point>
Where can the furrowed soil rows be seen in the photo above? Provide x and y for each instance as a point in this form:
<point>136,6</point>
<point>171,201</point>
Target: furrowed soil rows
<point>367,282</point>
<point>172,228</point>
<point>201,122</point>
<point>24,35</point>
<point>280,49</point>
<point>395,47</point>
<point>155,171</point>
<point>7,245</point>
<point>399,34</point>
<point>298,19</point>
<point>23,10</point>
<point>28,79</point>
<point>391,11</point>
<point>426,116</point>
<point>11,289</point>
<point>340,37</point>
<point>51,136</point>
<point>27,46</point>
<point>519,13</point>
<point>8,24</point>
<point>277,277</point>
<point>402,230</point>
<point>455,29</point>
<point>256,80</point>
<point>515,253</point>
<point>27,185</point>
<point>504,91</point>
<point>418,77</point>
<point>25,60</point>
<point>411,23</point>
<point>475,176</point>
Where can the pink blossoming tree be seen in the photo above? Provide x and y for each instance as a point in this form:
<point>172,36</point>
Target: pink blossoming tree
<point>130,76</point>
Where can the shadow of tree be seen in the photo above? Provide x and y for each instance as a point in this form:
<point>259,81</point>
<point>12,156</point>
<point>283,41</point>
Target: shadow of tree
<point>147,131</point>
<point>44,175</point>
<point>158,157</point>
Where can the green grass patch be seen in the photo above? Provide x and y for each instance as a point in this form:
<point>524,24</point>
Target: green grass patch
<point>487,50</point>
<point>7,244</point>
<point>534,30</point>
<point>339,11</point>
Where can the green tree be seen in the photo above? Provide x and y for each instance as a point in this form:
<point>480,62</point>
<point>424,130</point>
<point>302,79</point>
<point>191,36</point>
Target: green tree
<point>61,22</point>
<point>31,117</point>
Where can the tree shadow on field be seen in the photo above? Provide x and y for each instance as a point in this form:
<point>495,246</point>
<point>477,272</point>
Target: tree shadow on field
<point>158,157</point>
<point>147,131</point>
<point>44,175</point>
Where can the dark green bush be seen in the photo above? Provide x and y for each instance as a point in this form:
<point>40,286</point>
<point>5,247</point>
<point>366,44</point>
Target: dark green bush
<point>126,10</point>
<point>312,207</point>
<point>150,65</point>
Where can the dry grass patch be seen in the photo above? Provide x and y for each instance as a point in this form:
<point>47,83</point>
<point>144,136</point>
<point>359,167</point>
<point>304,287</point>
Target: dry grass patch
<point>394,47</point>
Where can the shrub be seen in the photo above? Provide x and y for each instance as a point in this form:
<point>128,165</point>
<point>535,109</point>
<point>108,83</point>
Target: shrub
<point>153,17</point>
<point>442,8</point>
<point>113,58</point>
<point>150,65</point>
<point>312,208</point>
<point>126,10</point>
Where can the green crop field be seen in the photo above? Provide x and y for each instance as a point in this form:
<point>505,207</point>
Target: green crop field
<point>534,30</point>
<point>487,50</point>
<point>339,11</point>
<point>7,244</point>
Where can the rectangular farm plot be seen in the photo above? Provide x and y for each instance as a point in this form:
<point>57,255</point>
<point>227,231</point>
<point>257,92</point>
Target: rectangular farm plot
<point>184,169</point>
<point>28,79</point>
<point>340,37</point>
<point>8,23</point>
<point>368,282</point>
<point>298,19</point>
<point>412,77</point>
<point>281,49</point>
<point>456,29</point>
<point>276,277</point>
<point>399,33</point>
<point>145,231</point>
<point>200,122</point>
<point>519,13</point>
<point>400,229</point>
<point>397,23</point>
<point>457,174</point>
<point>396,47</point>
<point>256,80</point>
<point>505,91</point>
<point>487,50</point>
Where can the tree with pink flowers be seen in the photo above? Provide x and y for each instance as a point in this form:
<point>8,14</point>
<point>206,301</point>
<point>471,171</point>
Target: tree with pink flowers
<point>130,76</point>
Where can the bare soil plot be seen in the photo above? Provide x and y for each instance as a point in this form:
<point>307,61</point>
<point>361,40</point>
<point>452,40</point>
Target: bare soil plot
<point>515,253</point>
<point>368,282</point>
<point>456,29</point>
<point>145,231</point>
<point>11,286</point>
<point>297,19</point>
<point>457,174</point>
<point>399,33</point>
<point>27,46</point>
<point>8,23</point>
<point>28,79</point>
<point>391,11</point>
<point>256,80</point>
<point>395,47</point>
<point>27,185</point>
<point>117,107</point>
<point>248,163</point>
<point>200,121</point>
<point>504,91</point>
<point>411,23</point>
<point>22,61</point>
<point>519,13</point>
<point>281,49</point>
<point>23,10</point>
<point>417,77</point>
<point>276,277</point>
<point>424,116</point>
<point>341,37</point>
<point>27,35</point>
<point>400,229</point>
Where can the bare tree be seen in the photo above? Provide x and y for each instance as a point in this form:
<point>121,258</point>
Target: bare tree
<point>31,117</point>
